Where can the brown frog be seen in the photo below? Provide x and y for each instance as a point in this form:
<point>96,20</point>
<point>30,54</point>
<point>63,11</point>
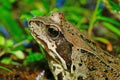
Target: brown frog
<point>70,54</point>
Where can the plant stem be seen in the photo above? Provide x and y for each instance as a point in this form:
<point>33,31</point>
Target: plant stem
<point>93,19</point>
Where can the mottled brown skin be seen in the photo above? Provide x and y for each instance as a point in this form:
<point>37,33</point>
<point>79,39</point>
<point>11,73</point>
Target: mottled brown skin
<point>72,56</point>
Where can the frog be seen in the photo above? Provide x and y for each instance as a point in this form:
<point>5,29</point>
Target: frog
<point>71,55</point>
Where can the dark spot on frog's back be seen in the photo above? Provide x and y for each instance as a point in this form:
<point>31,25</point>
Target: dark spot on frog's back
<point>105,71</point>
<point>74,68</point>
<point>92,68</point>
<point>59,76</point>
<point>87,40</point>
<point>105,64</point>
<point>83,51</point>
<point>72,33</point>
<point>80,64</point>
<point>87,52</point>
<point>109,61</point>
<point>117,74</point>
<point>80,78</point>
<point>91,77</point>
<point>106,78</point>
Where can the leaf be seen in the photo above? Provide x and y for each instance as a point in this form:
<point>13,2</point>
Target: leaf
<point>4,68</point>
<point>6,60</point>
<point>32,57</point>
<point>112,28</point>
<point>25,16</point>
<point>2,41</point>
<point>83,2</point>
<point>109,20</point>
<point>9,43</point>
<point>6,3</point>
<point>36,13</point>
<point>105,41</point>
<point>115,7</point>
<point>54,10</point>
<point>100,39</point>
<point>11,24</point>
<point>19,54</point>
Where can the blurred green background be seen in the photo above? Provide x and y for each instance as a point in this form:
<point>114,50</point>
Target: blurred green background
<point>99,18</point>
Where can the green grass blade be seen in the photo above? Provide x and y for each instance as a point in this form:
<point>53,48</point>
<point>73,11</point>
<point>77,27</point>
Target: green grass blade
<point>101,39</point>
<point>108,20</point>
<point>112,28</point>
<point>4,68</point>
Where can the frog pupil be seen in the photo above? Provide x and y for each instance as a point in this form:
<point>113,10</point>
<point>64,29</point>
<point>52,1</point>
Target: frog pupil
<point>53,32</point>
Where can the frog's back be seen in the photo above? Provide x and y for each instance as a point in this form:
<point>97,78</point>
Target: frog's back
<point>88,60</point>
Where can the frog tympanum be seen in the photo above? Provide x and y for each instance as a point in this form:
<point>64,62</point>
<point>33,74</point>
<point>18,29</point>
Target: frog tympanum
<point>70,54</point>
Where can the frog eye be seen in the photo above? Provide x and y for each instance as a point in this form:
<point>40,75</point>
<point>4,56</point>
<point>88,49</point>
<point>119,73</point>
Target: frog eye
<point>53,32</point>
